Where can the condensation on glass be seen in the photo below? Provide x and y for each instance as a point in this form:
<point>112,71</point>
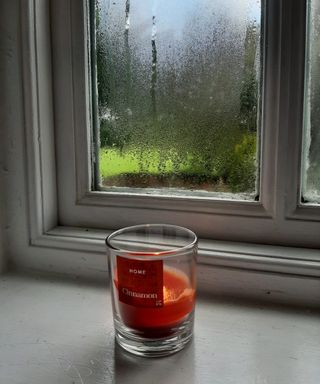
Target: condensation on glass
<point>311,145</point>
<point>178,95</point>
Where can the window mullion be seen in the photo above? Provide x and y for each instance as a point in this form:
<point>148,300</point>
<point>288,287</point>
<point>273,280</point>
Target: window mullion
<point>291,94</point>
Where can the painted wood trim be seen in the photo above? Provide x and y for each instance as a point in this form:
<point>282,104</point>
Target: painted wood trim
<point>297,261</point>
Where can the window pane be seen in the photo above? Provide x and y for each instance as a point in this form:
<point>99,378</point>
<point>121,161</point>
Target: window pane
<point>178,95</point>
<point>311,152</point>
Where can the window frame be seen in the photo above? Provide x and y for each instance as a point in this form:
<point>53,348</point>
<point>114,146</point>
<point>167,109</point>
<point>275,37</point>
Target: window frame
<point>63,211</point>
<point>283,85</point>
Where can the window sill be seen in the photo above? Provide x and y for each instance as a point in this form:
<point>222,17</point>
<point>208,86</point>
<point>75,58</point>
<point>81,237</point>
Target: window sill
<point>250,271</point>
<point>234,342</point>
<point>257,257</point>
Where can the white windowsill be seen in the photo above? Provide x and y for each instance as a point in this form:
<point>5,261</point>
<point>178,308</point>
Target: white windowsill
<point>251,271</point>
<point>289,260</point>
<point>235,341</point>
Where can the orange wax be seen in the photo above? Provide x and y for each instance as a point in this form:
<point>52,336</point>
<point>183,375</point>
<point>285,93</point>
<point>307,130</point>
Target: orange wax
<point>178,302</point>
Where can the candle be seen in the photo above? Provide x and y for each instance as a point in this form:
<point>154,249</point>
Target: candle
<point>153,278</point>
<point>177,302</point>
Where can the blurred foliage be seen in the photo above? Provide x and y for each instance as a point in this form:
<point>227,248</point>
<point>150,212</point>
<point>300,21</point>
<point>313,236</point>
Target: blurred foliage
<point>241,175</point>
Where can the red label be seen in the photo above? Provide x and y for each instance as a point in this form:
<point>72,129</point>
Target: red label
<point>140,283</point>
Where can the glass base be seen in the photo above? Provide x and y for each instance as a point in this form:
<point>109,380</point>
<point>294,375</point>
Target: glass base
<point>155,347</point>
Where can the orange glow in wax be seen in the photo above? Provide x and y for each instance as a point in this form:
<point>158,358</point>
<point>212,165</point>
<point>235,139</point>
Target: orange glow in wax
<point>178,302</point>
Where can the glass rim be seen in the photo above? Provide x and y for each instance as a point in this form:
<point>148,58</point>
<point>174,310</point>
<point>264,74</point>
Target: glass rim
<point>152,255</point>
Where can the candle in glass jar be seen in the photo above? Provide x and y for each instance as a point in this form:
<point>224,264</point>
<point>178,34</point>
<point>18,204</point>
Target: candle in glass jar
<point>152,271</point>
<point>177,301</point>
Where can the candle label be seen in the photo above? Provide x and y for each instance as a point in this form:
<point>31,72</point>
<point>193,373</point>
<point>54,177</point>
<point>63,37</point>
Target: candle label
<point>140,282</point>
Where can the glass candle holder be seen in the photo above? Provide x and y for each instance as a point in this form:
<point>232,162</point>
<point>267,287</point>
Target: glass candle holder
<point>153,283</point>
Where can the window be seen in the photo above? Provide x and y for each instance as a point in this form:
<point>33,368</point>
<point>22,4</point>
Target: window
<point>277,216</point>
<point>177,91</point>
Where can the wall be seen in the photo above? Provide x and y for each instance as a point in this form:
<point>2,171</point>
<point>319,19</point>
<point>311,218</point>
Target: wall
<point>12,163</point>
<point>2,253</point>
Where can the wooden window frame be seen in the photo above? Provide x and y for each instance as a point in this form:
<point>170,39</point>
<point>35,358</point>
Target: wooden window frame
<point>65,214</point>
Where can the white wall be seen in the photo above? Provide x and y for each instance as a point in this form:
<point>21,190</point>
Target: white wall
<point>2,253</point>
<point>12,159</point>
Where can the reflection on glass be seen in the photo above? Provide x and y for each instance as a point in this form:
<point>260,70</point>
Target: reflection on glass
<point>311,153</point>
<point>178,94</point>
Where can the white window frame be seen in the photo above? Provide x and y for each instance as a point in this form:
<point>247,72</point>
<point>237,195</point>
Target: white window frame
<point>65,214</point>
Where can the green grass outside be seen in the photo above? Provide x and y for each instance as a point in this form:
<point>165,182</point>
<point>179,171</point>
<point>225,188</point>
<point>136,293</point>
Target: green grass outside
<point>114,163</point>
<point>236,170</point>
